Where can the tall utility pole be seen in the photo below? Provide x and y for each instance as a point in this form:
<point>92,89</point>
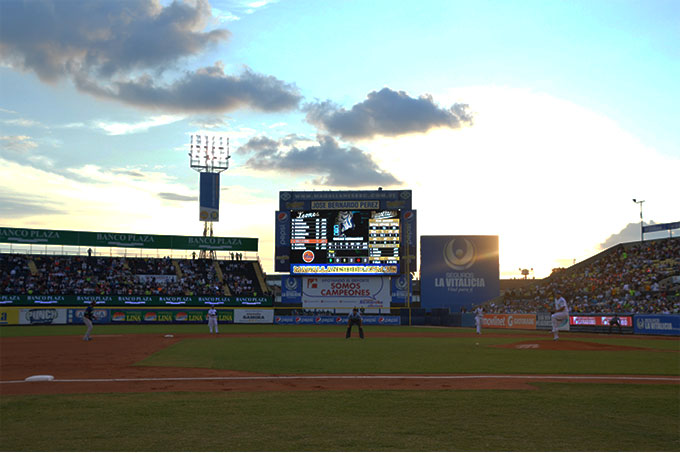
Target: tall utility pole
<point>642,237</point>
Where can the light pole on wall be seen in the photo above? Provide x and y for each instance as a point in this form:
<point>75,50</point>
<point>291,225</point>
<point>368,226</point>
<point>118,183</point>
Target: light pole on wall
<point>641,229</point>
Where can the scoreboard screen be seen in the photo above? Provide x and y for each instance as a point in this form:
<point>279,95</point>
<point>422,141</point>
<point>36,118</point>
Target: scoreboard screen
<point>345,242</point>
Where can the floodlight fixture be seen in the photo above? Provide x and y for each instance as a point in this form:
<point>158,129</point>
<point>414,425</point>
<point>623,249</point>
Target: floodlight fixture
<point>209,153</point>
<point>642,230</point>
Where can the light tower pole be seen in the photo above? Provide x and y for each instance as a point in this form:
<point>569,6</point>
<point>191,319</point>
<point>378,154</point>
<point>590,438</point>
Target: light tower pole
<point>642,238</point>
<point>209,155</point>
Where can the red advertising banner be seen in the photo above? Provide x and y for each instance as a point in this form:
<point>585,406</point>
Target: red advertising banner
<point>513,321</point>
<point>625,321</point>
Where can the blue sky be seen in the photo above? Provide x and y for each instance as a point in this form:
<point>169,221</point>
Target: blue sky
<point>536,121</point>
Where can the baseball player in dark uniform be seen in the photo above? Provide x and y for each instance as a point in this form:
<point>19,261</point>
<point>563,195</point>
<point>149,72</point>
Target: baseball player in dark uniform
<point>352,319</point>
<point>88,317</point>
<point>615,321</point>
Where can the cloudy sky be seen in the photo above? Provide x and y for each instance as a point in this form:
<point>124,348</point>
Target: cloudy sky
<point>538,121</point>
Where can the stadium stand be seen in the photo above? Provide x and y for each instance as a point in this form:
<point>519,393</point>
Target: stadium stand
<point>82,275</point>
<point>639,277</point>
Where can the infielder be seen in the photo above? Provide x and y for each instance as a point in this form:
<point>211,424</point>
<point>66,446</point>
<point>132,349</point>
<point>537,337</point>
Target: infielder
<point>212,320</point>
<point>615,321</point>
<point>354,318</point>
<point>560,313</point>
<point>479,314</point>
<point>88,317</point>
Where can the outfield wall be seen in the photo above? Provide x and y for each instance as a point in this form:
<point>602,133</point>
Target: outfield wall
<point>156,315</point>
<point>643,324</point>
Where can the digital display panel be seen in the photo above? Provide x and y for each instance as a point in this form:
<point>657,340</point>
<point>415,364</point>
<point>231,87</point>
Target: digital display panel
<point>345,242</point>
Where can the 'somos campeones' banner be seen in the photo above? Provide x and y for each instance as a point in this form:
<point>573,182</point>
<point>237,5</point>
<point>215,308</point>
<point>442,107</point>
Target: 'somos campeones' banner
<point>337,292</point>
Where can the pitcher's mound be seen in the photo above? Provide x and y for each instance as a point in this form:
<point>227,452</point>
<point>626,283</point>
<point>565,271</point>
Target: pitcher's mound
<point>567,345</point>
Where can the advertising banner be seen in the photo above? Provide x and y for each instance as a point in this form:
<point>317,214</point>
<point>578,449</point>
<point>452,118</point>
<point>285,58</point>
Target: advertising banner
<point>338,319</point>
<point>282,242</point>
<point>103,239</point>
<point>409,241</point>
<point>209,197</point>
<point>380,320</point>
<point>544,322</point>
<point>400,288</point>
<point>6,299</point>
<point>75,316</point>
<point>253,316</point>
<point>149,301</point>
<point>341,199</point>
<point>346,292</point>
<point>189,316</point>
<point>33,316</point>
<point>458,271</point>
<point>657,324</point>
<point>168,316</point>
<point>291,290</point>
<point>598,320</point>
<point>660,227</point>
<point>9,316</point>
<point>509,321</point>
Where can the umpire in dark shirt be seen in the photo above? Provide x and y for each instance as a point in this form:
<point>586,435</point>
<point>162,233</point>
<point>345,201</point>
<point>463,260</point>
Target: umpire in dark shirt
<point>352,319</point>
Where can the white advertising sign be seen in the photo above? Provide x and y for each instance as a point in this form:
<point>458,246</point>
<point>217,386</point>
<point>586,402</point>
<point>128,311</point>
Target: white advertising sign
<point>42,316</point>
<point>346,292</point>
<point>243,316</point>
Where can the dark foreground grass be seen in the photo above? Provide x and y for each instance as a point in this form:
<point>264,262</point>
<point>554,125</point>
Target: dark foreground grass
<point>414,355</point>
<point>554,417</point>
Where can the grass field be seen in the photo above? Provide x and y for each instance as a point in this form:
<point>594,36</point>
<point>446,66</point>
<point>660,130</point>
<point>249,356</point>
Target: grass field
<point>550,417</point>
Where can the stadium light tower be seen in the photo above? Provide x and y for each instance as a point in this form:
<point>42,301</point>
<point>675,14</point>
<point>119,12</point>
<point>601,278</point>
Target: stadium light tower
<point>642,237</point>
<point>209,155</point>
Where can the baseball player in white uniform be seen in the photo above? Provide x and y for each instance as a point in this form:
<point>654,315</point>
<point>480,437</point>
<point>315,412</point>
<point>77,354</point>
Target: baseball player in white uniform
<point>212,320</point>
<point>479,314</point>
<point>560,314</point>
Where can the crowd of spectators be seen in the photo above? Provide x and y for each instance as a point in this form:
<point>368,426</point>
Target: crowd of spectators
<point>86,275</point>
<point>629,278</point>
<point>240,277</point>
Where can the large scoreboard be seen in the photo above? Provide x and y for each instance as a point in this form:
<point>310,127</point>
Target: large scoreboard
<point>346,233</point>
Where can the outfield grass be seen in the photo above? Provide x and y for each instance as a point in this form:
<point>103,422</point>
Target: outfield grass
<point>414,355</point>
<point>555,417</point>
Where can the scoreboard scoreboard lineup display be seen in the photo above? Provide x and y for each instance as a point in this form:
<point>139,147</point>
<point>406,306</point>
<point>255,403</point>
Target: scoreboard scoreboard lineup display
<point>344,232</point>
<point>345,237</point>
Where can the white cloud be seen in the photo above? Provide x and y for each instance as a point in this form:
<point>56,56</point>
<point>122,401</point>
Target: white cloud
<point>23,122</point>
<point>120,200</point>
<point>115,128</point>
<point>552,179</point>
<point>17,143</point>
